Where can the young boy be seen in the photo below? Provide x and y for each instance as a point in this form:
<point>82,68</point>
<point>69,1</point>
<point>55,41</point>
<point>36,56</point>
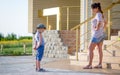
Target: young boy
<point>39,46</point>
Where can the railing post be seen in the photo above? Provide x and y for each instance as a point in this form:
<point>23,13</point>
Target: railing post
<point>109,24</point>
<point>77,44</point>
<point>1,48</point>
<point>114,53</point>
<point>49,28</point>
<point>47,20</point>
<point>67,18</point>
<point>105,47</point>
<point>24,48</point>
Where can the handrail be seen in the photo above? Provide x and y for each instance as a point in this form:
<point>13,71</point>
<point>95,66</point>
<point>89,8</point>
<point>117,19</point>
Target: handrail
<point>112,43</point>
<point>109,7</point>
<point>105,47</point>
<point>69,6</point>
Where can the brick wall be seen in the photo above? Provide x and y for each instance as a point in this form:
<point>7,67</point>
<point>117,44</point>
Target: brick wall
<point>69,39</point>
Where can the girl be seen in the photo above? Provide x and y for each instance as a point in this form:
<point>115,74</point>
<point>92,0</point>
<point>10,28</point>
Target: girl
<point>98,25</point>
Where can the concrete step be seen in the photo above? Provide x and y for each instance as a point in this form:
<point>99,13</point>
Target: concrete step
<point>104,64</point>
<point>54,47</point>
<point>105,53</point>
<point>118,33</point>
<point>109,52</point>
<point>54,43</point>
<point>106,58</point>
<point>51,31</point>
<point>114,37</point>
<point>112,44</point>
<point>109,42</point>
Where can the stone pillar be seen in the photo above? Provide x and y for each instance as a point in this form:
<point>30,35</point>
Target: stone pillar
<point>85,13</point>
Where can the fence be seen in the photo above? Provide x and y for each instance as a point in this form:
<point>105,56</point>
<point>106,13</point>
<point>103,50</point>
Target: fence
<point>17,49</point>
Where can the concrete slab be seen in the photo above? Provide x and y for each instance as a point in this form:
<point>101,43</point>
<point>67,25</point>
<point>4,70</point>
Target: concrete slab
<point>25,65</point>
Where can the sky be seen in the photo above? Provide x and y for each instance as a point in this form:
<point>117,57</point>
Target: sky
<point>14,17</point>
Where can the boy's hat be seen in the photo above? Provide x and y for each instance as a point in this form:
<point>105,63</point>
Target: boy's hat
<point>41,26</point>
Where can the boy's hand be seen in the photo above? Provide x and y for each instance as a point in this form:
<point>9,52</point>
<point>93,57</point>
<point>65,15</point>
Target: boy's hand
<point>34,48</point>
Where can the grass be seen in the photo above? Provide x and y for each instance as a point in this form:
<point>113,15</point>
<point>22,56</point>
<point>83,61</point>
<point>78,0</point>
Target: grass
<point>15,48</point>
<point>16,51</point>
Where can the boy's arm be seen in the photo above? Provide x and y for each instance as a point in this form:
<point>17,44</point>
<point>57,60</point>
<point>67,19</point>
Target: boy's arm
<point>35,44</point>
<point>39,42</point>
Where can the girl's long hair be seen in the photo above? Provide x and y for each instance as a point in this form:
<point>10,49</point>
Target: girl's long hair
<point>97,5</point>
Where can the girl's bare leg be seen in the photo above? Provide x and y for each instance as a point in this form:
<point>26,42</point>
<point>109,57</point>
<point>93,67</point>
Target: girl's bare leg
<point>100,52</point>
<point>91,53</point>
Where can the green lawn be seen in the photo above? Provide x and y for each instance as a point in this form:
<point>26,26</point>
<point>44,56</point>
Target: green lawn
<point>16,51</point>
<point>16,48</point>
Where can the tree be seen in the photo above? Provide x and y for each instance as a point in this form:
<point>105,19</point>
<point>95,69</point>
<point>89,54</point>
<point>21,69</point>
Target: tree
<point>11,36</point>
<point>25,37</point>
<point>1,36</point>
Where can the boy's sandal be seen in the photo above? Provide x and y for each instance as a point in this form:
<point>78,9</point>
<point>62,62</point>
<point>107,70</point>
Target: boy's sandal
<point>98,66</point>
<point>88,67</point>
<point>41,70</point>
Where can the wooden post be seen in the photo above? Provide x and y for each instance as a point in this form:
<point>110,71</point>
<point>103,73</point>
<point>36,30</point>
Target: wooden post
<point>114,53</point>
<point>77,44</point>
<point>109,66</point>
<point>109,24</point>
<point>49,27</point>
<point>24,48</point>
<point>67,18</point>
<point>60,27</point>
<point>105,47</point>
<point>1,48</point>
<point>47,23</point>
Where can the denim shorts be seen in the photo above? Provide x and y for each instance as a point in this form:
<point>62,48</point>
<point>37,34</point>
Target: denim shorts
<point>39,53</point>
<point>97,40</point>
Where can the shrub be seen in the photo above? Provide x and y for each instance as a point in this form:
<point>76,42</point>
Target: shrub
<point>17,52</point>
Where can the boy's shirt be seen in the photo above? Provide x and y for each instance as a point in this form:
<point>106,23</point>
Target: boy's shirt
<point>38,39</point>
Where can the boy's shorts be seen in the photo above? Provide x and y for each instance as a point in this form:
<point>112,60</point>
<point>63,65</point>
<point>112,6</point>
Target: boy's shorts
<point>39,53</point>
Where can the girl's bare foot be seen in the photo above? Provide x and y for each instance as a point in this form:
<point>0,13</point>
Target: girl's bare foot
<point>88,67</point>
<point>98,66</point>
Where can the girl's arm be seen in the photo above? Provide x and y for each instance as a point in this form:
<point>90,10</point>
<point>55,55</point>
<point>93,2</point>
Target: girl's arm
<point>105,24</point>
<point>97,26</point>
<point>99,18</point>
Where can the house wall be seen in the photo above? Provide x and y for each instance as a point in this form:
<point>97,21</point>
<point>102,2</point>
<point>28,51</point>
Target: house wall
<point>35,5</point>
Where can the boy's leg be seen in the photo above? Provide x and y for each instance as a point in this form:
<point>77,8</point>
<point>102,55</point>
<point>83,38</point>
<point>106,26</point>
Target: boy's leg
<point>38,60</point>
<point>39,57</point>
<point>38,65</point>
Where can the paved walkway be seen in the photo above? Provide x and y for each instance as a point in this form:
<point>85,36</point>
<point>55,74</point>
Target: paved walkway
<point>25,65</point>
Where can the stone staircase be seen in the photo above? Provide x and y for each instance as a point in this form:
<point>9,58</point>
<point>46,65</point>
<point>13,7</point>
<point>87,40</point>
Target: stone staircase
<point>54,47</point>
<point>111,55</point>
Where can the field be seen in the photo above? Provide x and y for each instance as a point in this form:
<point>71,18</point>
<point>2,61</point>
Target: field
<point>16,47</point>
